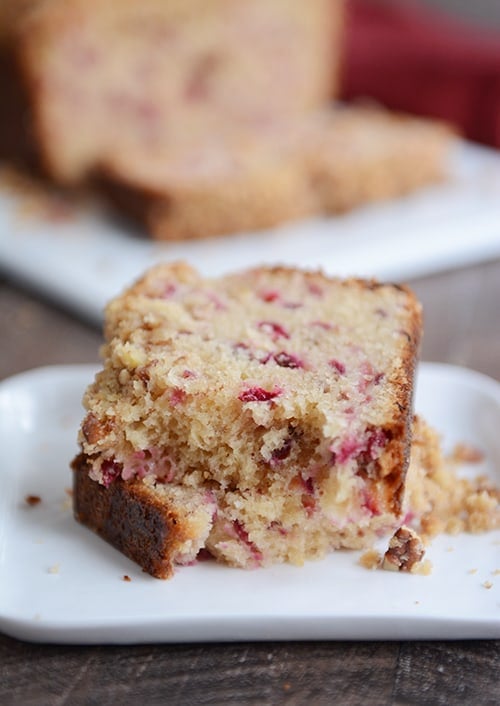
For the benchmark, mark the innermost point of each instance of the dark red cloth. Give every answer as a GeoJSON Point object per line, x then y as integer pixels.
{"type": "Point", "coordinates": [412, 58]}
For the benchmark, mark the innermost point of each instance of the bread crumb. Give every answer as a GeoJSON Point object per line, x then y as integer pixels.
{"type": "Point", "coordinates": [371, 559]}
{"type": "Point", "coordinates": [496, 572]}
{"type": "Point", "coordinates": [66, 504]}
{"type": "Point", "coordinates": [466, 453]}
{"type": "Point", "coordinates": [126, 578]}
{"type": "Point", "coordinates": [422, 568]}
{"type": "Point", "coordinates": [487, 584]}
{"type": "Point", "coordinates": [472, 571]}
{"type": "Point", "coordinates": [32, 500]}
{"type": "Point", "coordinates": [444, 501]}
{"type": "Point", "coordinates": [54, 569]}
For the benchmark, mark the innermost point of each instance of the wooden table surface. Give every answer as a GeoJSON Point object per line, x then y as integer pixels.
{"type": "Point", "coordinates": [462, 317]}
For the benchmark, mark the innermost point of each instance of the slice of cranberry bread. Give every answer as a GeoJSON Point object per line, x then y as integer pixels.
{"type": "Point", "coordinates": [241, 181]}
{"type": "Point", "coordinates": [359, 155]}
{"type": "Point", "coordinates": [327, 162]}
{"type": "Point", "coordinates": [263, 416]}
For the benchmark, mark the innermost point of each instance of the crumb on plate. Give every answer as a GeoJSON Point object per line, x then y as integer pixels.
{"type": "Point", "coordinates": [32, 500]}
{"type": "Point", "coordinates": [466, 453]}
{"type": "Point", "coordinates": [371, 559]}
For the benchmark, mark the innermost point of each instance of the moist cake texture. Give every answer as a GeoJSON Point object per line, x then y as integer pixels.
{"type": "Point", "coordinates": [263, 416]}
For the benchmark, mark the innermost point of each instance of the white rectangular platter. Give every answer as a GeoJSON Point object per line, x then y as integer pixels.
{"type": "Point", "coordinates": [84, 262]}
{"type": "Point", "coordinates": [60, 583]}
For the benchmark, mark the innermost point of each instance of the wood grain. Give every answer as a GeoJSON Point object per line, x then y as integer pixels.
{"type": "Point", "coordinates": [462, 326]}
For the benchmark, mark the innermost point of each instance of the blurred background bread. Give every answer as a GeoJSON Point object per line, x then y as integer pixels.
{"type": "Point", "coordinates": [206, 117]}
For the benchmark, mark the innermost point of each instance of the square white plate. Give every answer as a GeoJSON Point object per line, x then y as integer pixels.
{"type": "Point", "coordinates": [60, 583]}
{"type": "Point", "coordinates": [87, 260]}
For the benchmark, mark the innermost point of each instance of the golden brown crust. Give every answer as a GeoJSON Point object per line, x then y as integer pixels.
{"type": "Point", "coordinates": [276, 195]}
{"type": "Point", "coordinates": [130, 518]}
{"type": "Point", "coordinates": [404, 401]}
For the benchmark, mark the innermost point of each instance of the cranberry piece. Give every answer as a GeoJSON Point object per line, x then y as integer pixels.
{"type": "Point", "coordinates": [198, 85]}
{"type": "Point", "coordinates": [177, 396]}
{"type": "Point", "coordinates": [242, 534]}
{"type": "Point", "coordinates": [216, 301]}
{"type": "Point", "coordinates": [324, 325]}
{"type": "Point", "coordinates": [377, 439]}
{"type": "Point", "coordinates": [287, 360]}
{"type": "Point", "coordinates": [258, 394]}
{"type": "Point", "coordinates": [349, 448]}
{"type": "Point", "coordinates": [370, 503]}
{"type": "Point", "coordinates": [240, 346]}
{"type": "Point", "coordinates": [315, 289]}
{"type": "Point", "coordinates": [148, 111]}
{"type": "Point", "coordinates": [204, 555]}
{"type": "Point", "coordinates": [265, 358]}
{"type": "Point", "coordinates": [240, 531]}
{"type": "Point", "coordinates": [283, 452]}
{"type": "Point", "coordinates": [188, 374]}
{"type": "Point", "coordinates": [269, 295]}
{"type": "Point", "coordinates": [337, 365]}
{"type": "Point", "coordinates": [368, 376]}
{"type": "Point", "coordinates": [110, 471]}
{"type": "Point", "coordinates": [274, 329]}
{"type": "Point", "coordinates": [278, 527]}
{"type": "Point", "coordinates": [169, 291]}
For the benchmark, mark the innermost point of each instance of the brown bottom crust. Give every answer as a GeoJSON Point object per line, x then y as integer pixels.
{"type": "Point", "coordinates": [128, 517]}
